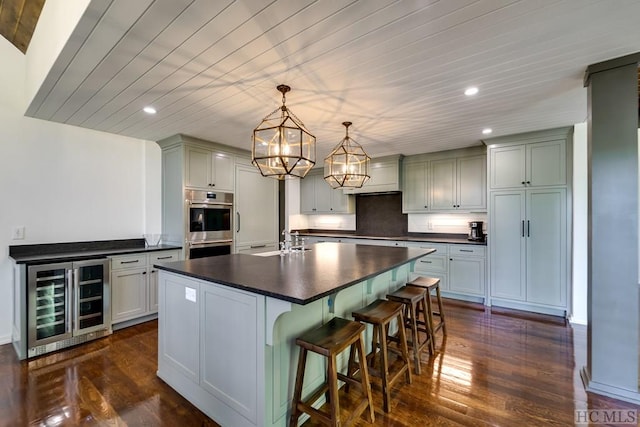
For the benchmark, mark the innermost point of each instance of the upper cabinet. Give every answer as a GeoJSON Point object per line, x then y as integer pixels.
{"type": "Point", "coordinates": [447, 181]}
{"type": "Point", "coordinates": [317, 197]}
{"type": "Point", "coordinates": [209, 170]}
{"type": "Point", "coordinates": [385, 176]}
{"type": "Point", "coordinates": [530, 164]}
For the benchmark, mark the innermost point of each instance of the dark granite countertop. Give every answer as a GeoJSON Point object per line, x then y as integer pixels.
{"type": "Point", "coordinates": [299, 278]}
{"type": "Point", "coordinates": [78, 251]}
{"type": "Point", "coordinates": [411, 237]}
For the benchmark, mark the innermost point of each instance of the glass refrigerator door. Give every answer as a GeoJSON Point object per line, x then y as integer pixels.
{"type": "Point", "coordinates": [49, 304]}
{"type": "Point", "coordinates": [92, 303]}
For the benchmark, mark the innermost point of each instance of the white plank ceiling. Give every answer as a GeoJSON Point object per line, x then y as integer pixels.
{"type": "Point", "coordinates": [396, 69]}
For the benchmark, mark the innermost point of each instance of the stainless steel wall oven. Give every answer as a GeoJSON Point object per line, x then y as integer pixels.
{"type": "Point", "coordinates": [209, 223]}
{"type": "Point", "coordinates": [65, 304]}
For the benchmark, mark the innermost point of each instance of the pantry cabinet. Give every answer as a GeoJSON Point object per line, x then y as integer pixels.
{"type": "Point", "coordinates": [317, 197]}
{"type": "Point", "coordinates": [256, 211]}
{"type": "Point", "coordinates": [529, 221]}
{"type": "Point", "coordinates": [209, 170]}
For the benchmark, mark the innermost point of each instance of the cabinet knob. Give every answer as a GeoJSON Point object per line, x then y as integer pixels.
{"type": "Point", "coordinates": [144, 272]}
{"type": "Point", "coordinates": [523, 183]}
{"type": "Point", "coordinates": [450, 259]}
{"type": "Point", "coordinates": [528, 182]}
{"type": "Point", "coordinates": [425, 206]}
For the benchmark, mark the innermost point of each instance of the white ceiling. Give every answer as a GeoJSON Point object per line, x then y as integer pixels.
{"type": "Point", "coordinates": [396, 69]}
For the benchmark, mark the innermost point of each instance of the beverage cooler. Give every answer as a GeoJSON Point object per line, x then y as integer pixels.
{"type": "Point", "coordinates": [62, 304]}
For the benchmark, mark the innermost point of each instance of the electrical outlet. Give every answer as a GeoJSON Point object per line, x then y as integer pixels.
{"type": "Point", "coordinates": [18, 233]}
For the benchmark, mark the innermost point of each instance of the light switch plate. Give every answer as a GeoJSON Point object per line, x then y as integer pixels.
{"type": "Point", "coordinates": [17, 233]}
{"type": "Point", "coordinates": [190, 294]}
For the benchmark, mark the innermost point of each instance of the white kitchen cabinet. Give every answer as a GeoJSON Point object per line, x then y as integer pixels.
{"type": "Point", "coordinates": [529, 165]}
{"type": "Point", "coordinates": [134, 284]}
{"type": "Point", "coordinates": [528, 246]}
{"type": "Point", "coordinates": [415, 191]}
{"type": "Point", "coordinates": [256, 210]}
{"type": "Point", "coordinates": [385, 176]}
{"type": "Point", "coordinates": [458, 184]}
{"type": "Point", "coordinates": [467, 269]}
{"type": "Point", "coordinates": [317, 197]}
{"type": "Point", "coordinates": [209, 170]}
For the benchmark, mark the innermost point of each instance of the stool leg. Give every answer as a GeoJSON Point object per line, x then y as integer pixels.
{"type": "Point", "coordinates": [374, 345]}
{"type": "Point", "coordinates": [414, 337]}
{"type": "Point", "coordinates": [297, 394]}
{"type": "Point", "coordinates": [431, 328]}
{"type": "Point", "coordinates": [332, 379]}
{"type": "Point", "coordinates": [364, 377]}
{"type": "Point", "coordinates": [405, 350]}
{"type": "Point", "coordinates": [423, 307]}
{"type": "Point", "coordinates": [351, 365]}
{"type": "Point", "coordinates": [384, 369]}
{"type": "Point", "coordinates": [444, 325]}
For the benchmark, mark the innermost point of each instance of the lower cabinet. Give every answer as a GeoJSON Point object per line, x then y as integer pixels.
{"type": "Point", "coordinates": [134, 284]}
{"type": "Point", "coordinates": [256, 249]}
{"type": "Point", "coordinates": [461, 269]}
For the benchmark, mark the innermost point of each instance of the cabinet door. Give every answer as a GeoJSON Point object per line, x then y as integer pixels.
{"type": "Point", "coordinates": [443, 184]}
{"type": "Point", "coordinates": [507, 167]}
{"type": "Point", "coordinates": [323, 194]}
{"type": "Point", "coordinates": [466, 275]}
{"type": "Point", "coordinates": [472, 183]}
{"type": "Point", "coordinates": [153, 290]}
{"type": "Point", "coordinates": [339, 201]}
{"type": "Point", "coordinates": [308, 195]}
{"type": "Point", "coordinates": [222, 173]}
{"type": "Point", "coordinates": [546, 247]}
{"type": "Point", "coordinates": [507, 268]}
{"type": "Point", "coordinates": [256, 207]}
{"type": "Point", "coordinates": [547, 163]}
{"type": "Point", "coordinates": [198, 171]}
{"type": "Point", "coordinates": [128, 294]}
{"type": "Point", "coordinates": [415, 188]}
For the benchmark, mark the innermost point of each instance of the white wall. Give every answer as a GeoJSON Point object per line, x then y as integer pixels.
{"type": "Point", "coordinates": [580, 194]}
{"type": "Point", "coordinates": [65, 183]}
{"type": "Point", "coordinates": [444, 223]}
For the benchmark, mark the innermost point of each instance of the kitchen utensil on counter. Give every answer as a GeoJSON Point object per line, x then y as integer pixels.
{"type": "Point", "coordinates": [475, 231]}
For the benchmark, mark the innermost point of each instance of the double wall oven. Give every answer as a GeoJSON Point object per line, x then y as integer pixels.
{"type": "Point", "coordinates": [209, 228]}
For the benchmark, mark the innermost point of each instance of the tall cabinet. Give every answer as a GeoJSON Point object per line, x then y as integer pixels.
{"type": "Point", "coordinates": [529, 220]}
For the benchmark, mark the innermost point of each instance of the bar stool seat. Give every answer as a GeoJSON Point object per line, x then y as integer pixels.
{"type": "Point", "coordinates": [380, 313]}
{"type": "Point", "coordinates": [431, 283]}
{"type": "Point", "coordinates": [414, 300]}
{"type": "Point", "coordinates": [330, 340]}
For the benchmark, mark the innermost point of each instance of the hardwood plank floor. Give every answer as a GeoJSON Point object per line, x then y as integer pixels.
{"type": "Point", "coordinates": [496, 367]}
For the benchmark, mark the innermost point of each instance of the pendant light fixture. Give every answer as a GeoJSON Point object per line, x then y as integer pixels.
{"type": "Point", "coordinates": [282, 145]}
{"type": "Point", "coordinates": [348, 164]}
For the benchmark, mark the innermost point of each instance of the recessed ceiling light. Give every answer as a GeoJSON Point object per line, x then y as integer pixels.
{"type": "Point", "coordinates": [487, 131]}
{"type": "Point", "coordinates": [471, 91]}
{"type": "Point", "coordinates": [149, 110]}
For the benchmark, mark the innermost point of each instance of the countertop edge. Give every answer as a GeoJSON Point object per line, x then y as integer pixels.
{"type": "Point", "coordinates": [287, 298]}
{"type": "Point", "coordinates": [81, 256]}
{"type": "Point", "coordinates": [428, 239]}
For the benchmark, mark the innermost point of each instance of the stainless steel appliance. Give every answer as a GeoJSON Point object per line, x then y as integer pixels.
{"type": "Point", "coordinates": [65, 304]}
{"type": "Point", "coordinates": [209, 227]}
{"type": "Point", "coordinates": [475, 231]}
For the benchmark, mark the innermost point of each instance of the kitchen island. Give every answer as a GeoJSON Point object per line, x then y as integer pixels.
{"type": "Point", "coordinates": [227, 324]}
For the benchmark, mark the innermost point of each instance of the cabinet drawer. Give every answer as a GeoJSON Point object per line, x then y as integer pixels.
{"type": "Point", "coordinates": [467, 250]}
{"type": "Point", "coordinates": [432, 263]}
{"type": "Point", "coordinates": [441, 249]}
{"type": "Point", "coordinates": [165, 256]}
{"type": "Point", "coordinates": [138, 260]}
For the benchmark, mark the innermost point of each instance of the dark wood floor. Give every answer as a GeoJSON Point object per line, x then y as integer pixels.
{"type": "Point", "coordinates": [496, 367]}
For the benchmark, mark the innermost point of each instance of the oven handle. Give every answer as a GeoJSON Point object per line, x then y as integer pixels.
{"type": "Point", "coordinates": [200, 204]}
{"type": "Point", "coordinates": [210, 242]}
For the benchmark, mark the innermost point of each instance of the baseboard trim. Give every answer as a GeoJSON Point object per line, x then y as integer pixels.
{"type": "Point", "coordinates": [623, 394]}
{"type": "Point", "coordinates": [5, 339]}
{"type": "Point", "coordinates": [528, 307]}
{"type": "Point", "coordinates": [132, 322]}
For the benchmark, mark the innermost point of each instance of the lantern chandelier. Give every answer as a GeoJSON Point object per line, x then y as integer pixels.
{"type": "Point", "coordinates": [348, 164]}
{"type": "Point", "coordinates": [282, 145]}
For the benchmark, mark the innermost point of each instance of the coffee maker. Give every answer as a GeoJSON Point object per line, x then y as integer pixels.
{"type": "Point", "coordinates": [475, 231]}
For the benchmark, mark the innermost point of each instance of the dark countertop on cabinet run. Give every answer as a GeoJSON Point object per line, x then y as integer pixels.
{"type": "Point", "coordinates": [300, 278]}
{"type": "Point", "coordinates": [78, 251]}
{"type": "Point", "coordinates": [412, 237]}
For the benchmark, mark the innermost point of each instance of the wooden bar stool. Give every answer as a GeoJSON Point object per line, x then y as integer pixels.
{"type": "Point", "coordinates": [414, 300]}
{"type": "Point", "coordinates": [329, 340]}
{"type": "Point", "coordinates": [431, 283]}
{"type": "Point", "coordinates": [380, 313]}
